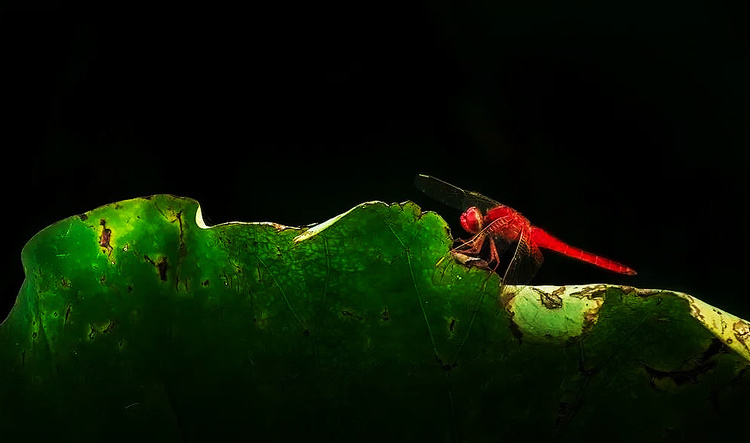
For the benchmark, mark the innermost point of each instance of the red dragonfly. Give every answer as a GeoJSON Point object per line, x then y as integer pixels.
{"type": "Point", "coordinates": [485, 219]}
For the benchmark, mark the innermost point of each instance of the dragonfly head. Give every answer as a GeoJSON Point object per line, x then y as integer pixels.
{"type": "Point", "coordinates": [471, 220]}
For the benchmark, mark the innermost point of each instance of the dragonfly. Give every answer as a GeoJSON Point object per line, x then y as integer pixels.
{"type": "Point", "coordinates": [499, 226]}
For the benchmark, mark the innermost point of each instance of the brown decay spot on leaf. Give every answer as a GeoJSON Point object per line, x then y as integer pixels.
{"type": "Point", "coordinates": [105, 237]}
{"type": "Point", "coordinates": [552, 300]}
{"type": "Point", "coordinates": [641, 292]}
{"type": "Point", "coordinates": [161, 265]}
{"type": "Point", "coordinates": [590, 316]}
{"type": "Point", "coordinates": [690, 370]}
{"type": "Point", "coordinates": [110, 326]}
{"type": "Point", "coordinates": [347, 313]}
{"type": "Point", "coordinates": [385, 315]}
{"type": "Point", "coordinates": [590, 292]}
{"type": "Point", "coordinates": [279, 227]}
{"type": "Point", "coordinates": [741, 331]}
{"type": "Point", "coordinates": [695, 311]}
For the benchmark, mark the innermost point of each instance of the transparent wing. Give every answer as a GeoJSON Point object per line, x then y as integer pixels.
{"type": "Point", "coordinates": [451, 195]}
{"type": "Point", "coordinates": [523, 265]}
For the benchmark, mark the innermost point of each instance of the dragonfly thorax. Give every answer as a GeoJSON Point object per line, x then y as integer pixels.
{"type": "Point", "coordinates": [471, 220]}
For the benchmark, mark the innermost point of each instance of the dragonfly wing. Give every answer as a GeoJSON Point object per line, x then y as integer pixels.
{"type": "Point", "coordinates": [451, 195]}
{"type": "Point", "coordinates": [523, 265]}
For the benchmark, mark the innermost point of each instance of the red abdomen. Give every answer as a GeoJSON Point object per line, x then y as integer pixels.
{"type": "Point", "coordinates": [545, 240]}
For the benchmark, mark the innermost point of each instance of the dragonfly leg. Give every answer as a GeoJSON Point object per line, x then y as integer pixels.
{"type": "Point", "coordinates": [472, 246]}
{"type": "Point", "coordinates": [494, 256]}
{"type": "Point", "coordinates": [465, 245]}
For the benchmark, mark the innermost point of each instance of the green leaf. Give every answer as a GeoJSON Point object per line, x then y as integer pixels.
{"type": "Point", "coordinates": [136, 321]}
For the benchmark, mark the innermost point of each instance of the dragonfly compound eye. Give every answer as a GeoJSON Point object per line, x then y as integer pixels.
{"type": "Point", "coordinates": [471, 220]}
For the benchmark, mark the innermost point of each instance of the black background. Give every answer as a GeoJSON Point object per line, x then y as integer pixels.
{"type": "Point", "coordinates": [622, 129]}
